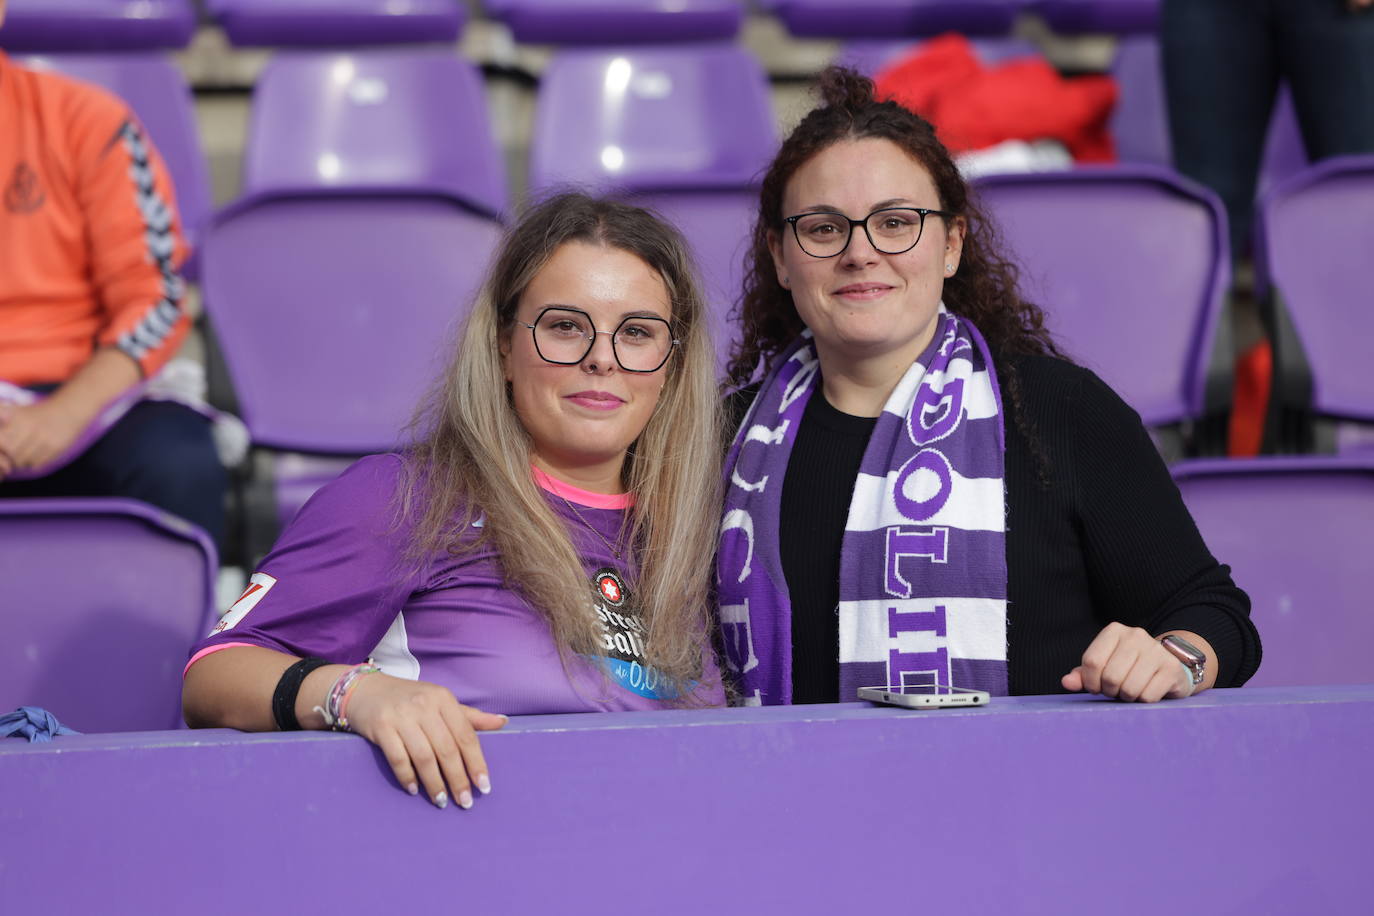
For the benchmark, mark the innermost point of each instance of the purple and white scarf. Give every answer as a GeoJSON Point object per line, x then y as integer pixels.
{"type": "Point", "coordinates": [923, 569]}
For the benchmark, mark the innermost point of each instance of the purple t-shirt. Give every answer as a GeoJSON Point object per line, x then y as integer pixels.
{"type": "Point", "coordinates": [337, 586]}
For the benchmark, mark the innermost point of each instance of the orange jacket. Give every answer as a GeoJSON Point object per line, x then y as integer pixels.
{"type": "Point", "coordinates": [89, 237]}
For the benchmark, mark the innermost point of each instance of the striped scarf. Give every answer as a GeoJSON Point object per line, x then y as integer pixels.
{"type": "Point", "coordinates": [923, 572]}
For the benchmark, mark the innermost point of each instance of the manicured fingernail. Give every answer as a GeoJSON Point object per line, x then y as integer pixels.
{"type": "Point", "coordinates": [441, 800]}
{"type": "Point", "coordinates": [413, 789]}
{"type": "Point", "coordinates": [465, 799]}
{"type": "Point", "coordinates": [484, 784]}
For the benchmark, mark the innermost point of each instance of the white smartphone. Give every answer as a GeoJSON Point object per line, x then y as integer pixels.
{"type": "Point", "coordinates": [921, 696]}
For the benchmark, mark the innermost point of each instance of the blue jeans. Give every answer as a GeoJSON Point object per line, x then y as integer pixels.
{"type": "Point", "coordinates": [1223, 60]}
{"type": "Point", "coordinates": [159, 452]}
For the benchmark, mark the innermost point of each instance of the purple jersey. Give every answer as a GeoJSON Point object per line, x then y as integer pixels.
{"type": "Point", "coordinates": [337, 586]}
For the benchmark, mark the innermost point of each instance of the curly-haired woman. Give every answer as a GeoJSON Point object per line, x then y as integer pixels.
{"type": "Point", "coordinates": [923, 487]}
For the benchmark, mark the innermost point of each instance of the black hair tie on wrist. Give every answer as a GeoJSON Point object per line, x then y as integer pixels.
{"type": "Point", "coordinates": [284, 697]}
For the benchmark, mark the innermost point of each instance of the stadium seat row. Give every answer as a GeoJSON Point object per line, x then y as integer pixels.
{"type": "Point", "coordinates": [69, 25]}
{"type": "Point", "coordinates": [404, 138]}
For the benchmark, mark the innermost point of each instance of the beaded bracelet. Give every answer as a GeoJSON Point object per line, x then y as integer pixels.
{"type": "Point", "coordinates": [337, 701]}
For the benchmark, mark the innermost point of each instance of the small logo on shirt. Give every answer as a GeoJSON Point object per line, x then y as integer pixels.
{"type": "Point", "coordinates": [23, 194]}
{"type": "Point", "coordinates": [258, 586]}
{"type": "Point", "coordinates": [610, 586]}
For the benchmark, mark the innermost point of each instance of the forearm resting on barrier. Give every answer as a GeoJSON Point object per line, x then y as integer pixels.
{"type": "Point", "coordinates": [428, 738]}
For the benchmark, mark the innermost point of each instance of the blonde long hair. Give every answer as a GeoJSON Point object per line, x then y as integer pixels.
{"type": "Point", "coordinates": [471, 455]}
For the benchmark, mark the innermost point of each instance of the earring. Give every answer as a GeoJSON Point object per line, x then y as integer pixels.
{"type": "Point", "coordinates": [949, 268]}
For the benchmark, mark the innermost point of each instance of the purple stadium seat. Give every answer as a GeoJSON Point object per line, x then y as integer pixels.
{"type": "Point", "coordinates": [687, 131]}
{"type": "Point", "coordinates": [671, 119]}
{"type": "Point", "coordinates": [607, 22]}
{"type": "Point", "coordinates": [870, 57]}
{"type": "Point", "coordinates": [157, 92]}
{"type": "Point", "coordinates": [339, 22]}
{"type": "Point", "coordinates": [103, 600]}
{"type": "Point", "coordinates": [333, 312]}
{"type": "Point", "coordinates": [1140, 123]}
{"type": "Point", "coordinates": [1130, 265]}
{"type": "Point", "coordinates": [1120, 17]}
{"type": "Point", "coordinates": [1285, 154]}
{"type": "Point", "coordinates": [1297, 533]}
{"type": "Point", "coordinates": [887, 19]}
{"type": "Point", "coordinates": [97, 25]}
{"type": "Point", "coordinates": [1314, 235]}
{"type": "Point", "coordinates": [373, 190]}
{"type": "Point", "coordinates": [377, 121]}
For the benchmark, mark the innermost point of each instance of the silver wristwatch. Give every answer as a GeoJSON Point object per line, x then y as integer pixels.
{"type": "Point", "coordinates": [1190, 655]}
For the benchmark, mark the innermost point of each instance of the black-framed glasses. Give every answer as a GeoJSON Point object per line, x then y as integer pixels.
{"type": "Point", "coordinates": [891, 230]}
{"type": "Point", "coordinates": [565, 336]}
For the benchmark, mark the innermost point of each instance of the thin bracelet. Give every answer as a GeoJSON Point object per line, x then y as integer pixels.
{"type": "Point", "coordinates": [337, 701]}
{"type": "Point", "coordinates": [288, 688]}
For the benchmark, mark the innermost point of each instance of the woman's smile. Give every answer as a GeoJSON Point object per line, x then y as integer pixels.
{"type": "Point", "coordinates": [595, 400]}
{"type": "Point", "coordinates": [863, 292]}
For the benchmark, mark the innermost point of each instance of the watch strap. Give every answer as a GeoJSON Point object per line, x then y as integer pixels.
{"type": "Point", "coordinates": [1188, 655]}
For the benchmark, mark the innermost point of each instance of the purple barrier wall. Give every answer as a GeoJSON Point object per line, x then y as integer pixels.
{"type": "Point", "coordinates": [1240, 801]}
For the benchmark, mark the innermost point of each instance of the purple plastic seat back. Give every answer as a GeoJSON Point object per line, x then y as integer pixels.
{"type": "Point", "coordinates": [1118, 17]}
{"type": "Point", "coordinates": [719, 254]}
{"type": "Point", "coordinates": [157, 92]}
{"type": "Point", "coordinates": [97, 25]}
{"type": "Point", "coordinates": [372, 193]}
{"type": "Point", "coordinates": [1285, 153]}
{"type": "Point", "coordinates": [870, 57]}
{"type": "Point", "coordinates": [1140, 122]}
{"type": "Point", "coordinates": [610, 22]}
{"type": "Point", "coordinates": [672, 119]}
{"type": "Point", "coordinates": [687, 131]}
{"type": "Point", "coordinates": [888, 18]}
{"type": "Point", "coordinates": [334, 311]}
{"type": "Point", "coordinates": [1297, 533]}
{"type": "Point", "coordinates": [339, 22]}
{"type": "Point", "coordinates": [1315, 233]}
{"type": "Point", "coordinates": [411, 121]}
{"type": "Point", "coordinates": [103, 601]}
{"type": "Point", "coordinates": [1130, 265]}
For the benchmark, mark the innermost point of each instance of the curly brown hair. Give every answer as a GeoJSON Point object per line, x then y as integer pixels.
{"type": "Point", "coordinates": [985, 288]}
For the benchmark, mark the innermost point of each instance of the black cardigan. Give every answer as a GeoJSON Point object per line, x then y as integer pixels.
{"type": "Point", "coordinates": [1096, 532]}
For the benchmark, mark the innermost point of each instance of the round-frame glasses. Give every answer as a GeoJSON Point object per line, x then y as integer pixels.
{"type": "Point", "coordinates": [826, 234]}
{"type": "Point", "coordinates": [564, 336]}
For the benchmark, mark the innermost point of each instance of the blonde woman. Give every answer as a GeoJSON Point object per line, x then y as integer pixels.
{"type": "Point", "coordinates": [543, 547]}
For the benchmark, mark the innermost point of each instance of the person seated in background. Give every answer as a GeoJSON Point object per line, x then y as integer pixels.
{"type": "Point", "coordinates": [91, 303]}
{"type": "Point", "coordinates": [922, 485]}
{"type": "Point", "coordinates": [542, 547]}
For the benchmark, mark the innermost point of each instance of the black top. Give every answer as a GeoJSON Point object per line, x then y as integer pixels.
{"type": "Point", "coordinates": [1103, 536]}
